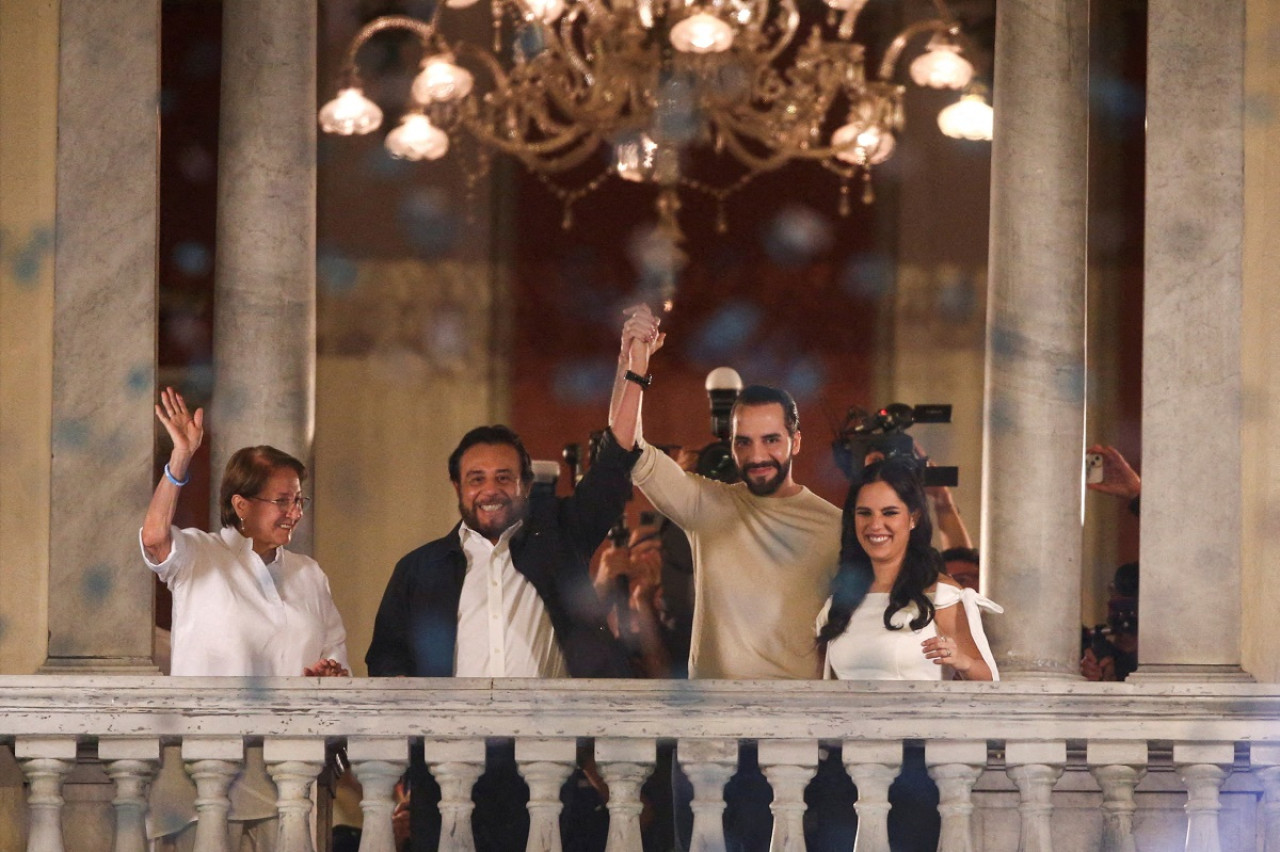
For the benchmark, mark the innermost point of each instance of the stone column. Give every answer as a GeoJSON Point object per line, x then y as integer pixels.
{"type": "Point", "coordinates": [709, 764]}
{"type": "Point", "coordinates": [872, 764]}
{"type": "Point", "coordinates": [293, 765]}
{"type": "Point", "coordinates": [1118, 767]}
{"type": "Point", "coordinates": [624, 764]}
{"type": "Point", "coordinates": [455, 764]}
{"type": "Point", "coordinates": [1192, 511]}
{"type": "Point", "coordinates": [545, 764]}
{"type": "Point", "coordinates": [789, 765]}
{"type": "Point", "coordinates": [378, 762]}
{"type": "Point", "coordinates": [264, 287]}
{"type": "Point", "coordinates": [1035, 368]}
{"type": "Point", "coordinates": [1264, 759]}
{"type": "Point", "coordinates": [1203, 767]}
{"type": "Point", "coordinates": [955, 766]}
{"type": "Point", "coordinates": [1035, 767]}
{"type": "Point", "coordinates": [104, 335]}
{"type": "Point", "coordinates": [46, 761]}
{"type": "Point", "coordinates": [131, 764]}
{"type": "Point", "coordinates": [213, 763]}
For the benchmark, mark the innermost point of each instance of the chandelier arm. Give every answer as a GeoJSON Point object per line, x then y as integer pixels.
{"type": "Point", "coordinates": [732, 129]}
{"type": "Point", "coordinates": [791, 16]}
{"type": "Point", "coordinates": [576, 60]}
{"type": "Point", "coordinates": [424, 30]}
{"type": "Point", "coordinates": [485, 58]}
{"type": "Point", "coordinates": [582, 144]}
{"type": "Point", "coordinates": [849, 19]}
{"type": "Point", "coordinates": [894, 52]}
{"type": "Point", "coordinates": [748, 159]}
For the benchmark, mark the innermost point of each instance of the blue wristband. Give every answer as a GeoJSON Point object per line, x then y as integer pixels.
{"type": "Point", "coordinates": [178, 482]}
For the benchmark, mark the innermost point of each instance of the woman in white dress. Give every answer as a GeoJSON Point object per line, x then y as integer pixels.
{"type": "Point", "coordinates": [894, 614]}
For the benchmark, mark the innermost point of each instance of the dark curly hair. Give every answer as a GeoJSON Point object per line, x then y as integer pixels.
{"type": "Point", "coordinates": [921, 564]}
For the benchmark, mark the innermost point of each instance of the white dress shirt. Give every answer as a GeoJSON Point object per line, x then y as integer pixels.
{"type": "Point", "coordinates": [504, 629]}
{"type": "Point", "coordinates": [234, 615]}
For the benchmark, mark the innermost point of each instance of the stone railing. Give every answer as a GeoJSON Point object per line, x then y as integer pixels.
{"type": "Point", "coordinates": [1026, 765]}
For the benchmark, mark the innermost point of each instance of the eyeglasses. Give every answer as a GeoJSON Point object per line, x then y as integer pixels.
{"type": "Point", "coordinates": [284, 504]}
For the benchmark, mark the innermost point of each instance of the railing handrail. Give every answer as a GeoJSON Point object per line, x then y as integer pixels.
{"type": "Point", "coordinates": [133, 706]}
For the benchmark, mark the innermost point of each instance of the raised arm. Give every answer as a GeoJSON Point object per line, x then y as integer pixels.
{"type": "Point", "coordinates": [946, 514]}
{"type": "Point", "coordinates": [186, 431]}
{"type": "Point", "coordinates": [640, 339]}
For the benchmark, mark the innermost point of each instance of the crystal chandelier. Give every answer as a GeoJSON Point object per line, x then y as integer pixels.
{"type": "Point", "coordinates": [654, 91]}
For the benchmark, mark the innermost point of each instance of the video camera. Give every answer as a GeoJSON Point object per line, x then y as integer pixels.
{"type": "Point", "coordinates": [884, 431]}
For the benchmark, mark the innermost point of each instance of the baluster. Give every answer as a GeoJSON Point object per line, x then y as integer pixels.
{"type": "Point", "coordinates": [625, 764]}
{"type": "Point", "coordinates": [872, 764]}
{"type": "Point", "coordinates": [545, 764]}
{"type": "Point", "coordinates": [131, 763]}
{"type": "Point", "coordinates": [378, 763]}
{"type": "Point", "coordinates": [789, 765]}
{"type": "Point", "coordinates": [46, 762]}
{"type": "Point", "coordinates": [955, 766]}
{"type": "Point", "coordinates": [456, 764]}
{"type": "Point", "coordinates": [709, 764]}
{"type": "Point", "coordinates": [1265, 759]}
{"type": "Point", "coordinates": [213, 763]}
{"type": "Point", "coordinates": [1118, 767]}
{"type": "Point", "coordinates": [1035, 767]}
{"type": "Point", "coordinates": [293, 765]}
{"type": "Point", "coordinates": [1203, 767]}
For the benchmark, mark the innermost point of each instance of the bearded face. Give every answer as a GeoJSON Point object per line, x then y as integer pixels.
{"type": "Point", "coordinates": [491, 495]}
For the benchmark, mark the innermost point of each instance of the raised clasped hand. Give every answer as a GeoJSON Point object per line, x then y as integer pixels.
{"type": "Point", "coordinates": [640, 337]}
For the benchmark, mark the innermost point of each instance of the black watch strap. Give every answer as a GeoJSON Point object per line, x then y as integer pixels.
{"type": "Point", "coordinates": [642, 381]}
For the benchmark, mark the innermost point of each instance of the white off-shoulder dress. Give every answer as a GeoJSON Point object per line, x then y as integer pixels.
{"type": "Point", "coordinates": [868, 651]}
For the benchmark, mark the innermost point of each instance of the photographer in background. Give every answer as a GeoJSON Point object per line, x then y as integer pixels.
{"type": "Point", "coordinates": [629, 581]}
{"type": "Point", "coordinates": [1111, 649]}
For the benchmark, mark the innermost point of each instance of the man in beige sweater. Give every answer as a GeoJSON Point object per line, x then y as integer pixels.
{"type": "Point", "coordinates": [764, 549]}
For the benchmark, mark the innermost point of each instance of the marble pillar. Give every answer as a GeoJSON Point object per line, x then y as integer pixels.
{"type": "Point", "coordinates": [264, 287]}
{"type": "Point", "coordinates": [1261, 477]}
{"type": "Point", "coordinates": [28, 148]}
{"type": "Point", "coordinates": [1192, 388]}
{"type": "Point", "coordinates": [1035, 368]}
{"type": "Point", "coordinates": [104, 335]}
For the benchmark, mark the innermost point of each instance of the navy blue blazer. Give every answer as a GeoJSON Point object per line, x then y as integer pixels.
{"type": "Point", "coordinates": [416, 630]}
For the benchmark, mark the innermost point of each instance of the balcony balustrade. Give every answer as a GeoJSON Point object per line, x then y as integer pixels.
{"type": "Point", "coordinates": [1026, 765]}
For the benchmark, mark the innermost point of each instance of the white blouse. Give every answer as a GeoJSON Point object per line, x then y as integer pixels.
{"type": "Point", "coordinates": [868, 651]}
{"type": "Point", "coordinates": [234, 615]}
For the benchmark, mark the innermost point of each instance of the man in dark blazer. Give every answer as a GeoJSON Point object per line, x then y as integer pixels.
{"type": "Point", "coordinates": [548, 541]}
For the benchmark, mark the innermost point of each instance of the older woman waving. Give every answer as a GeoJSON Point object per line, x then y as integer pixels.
{"type": "Point", "coordinates": [242, 603]}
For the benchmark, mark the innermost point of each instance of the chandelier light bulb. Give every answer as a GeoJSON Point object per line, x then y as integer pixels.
{"type": "Point", "coordinates": [417, 139]}
{"type": "Point", "coordinates": [701, 33]}
{"type": "Point", "coordinates": [350, 114]}
{"type": "Point", "coordinates": [969, 118]}
{"type": "Point", "coordinates": [941, 67]}
{"type": "Point", "coordinates": [633, 158]}
{"type": "Point", "coordinates": [441, 80]}
{"type": "Point", "coordinates": [459, 4]}
{"type": "Point", "coordinates": [547, 10]}
{"type": "Point", "coordinates": [861, 145]}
